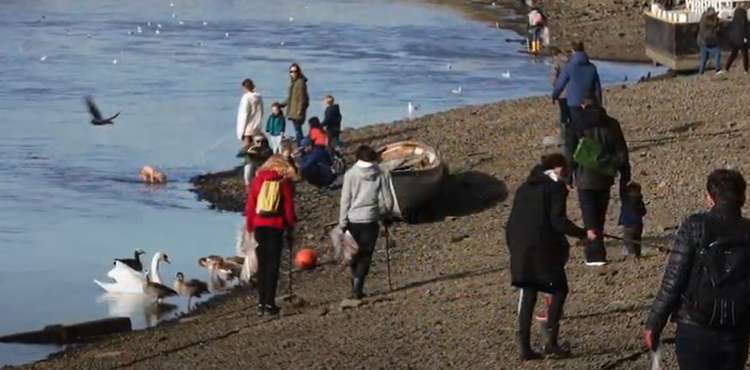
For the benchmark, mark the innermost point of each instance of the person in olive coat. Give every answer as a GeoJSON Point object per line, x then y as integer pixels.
{"type": "Point", "coordinates": [738, 37]}
{"type": "Point", "coordinates": [539, 250]}
{"type": "Point", "coordinates": [297, 101]}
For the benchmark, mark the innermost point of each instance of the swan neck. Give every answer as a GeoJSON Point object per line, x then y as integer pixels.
{"type": "Point", "coordinates": [154, 272]}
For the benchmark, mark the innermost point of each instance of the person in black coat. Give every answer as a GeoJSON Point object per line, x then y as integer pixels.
{"type": "Point", "coordinates": [535, 236]}
{"type": "Point", "coordinates": [738, 37]}
{"type": "Point", "coordinates": [332, 121]}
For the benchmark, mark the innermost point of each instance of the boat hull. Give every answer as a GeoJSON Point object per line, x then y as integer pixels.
{"type": "Point", "coordinates": [415, 189]}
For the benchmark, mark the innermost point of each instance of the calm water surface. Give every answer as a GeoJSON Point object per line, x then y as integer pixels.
{"type": "Point", "coordinates": [68, 199]}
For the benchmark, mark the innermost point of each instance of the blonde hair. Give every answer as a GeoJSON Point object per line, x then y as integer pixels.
{"type": "Point", "coordinates": [282, 166]}
{"type": "Point", "coordinates": [328, 99]}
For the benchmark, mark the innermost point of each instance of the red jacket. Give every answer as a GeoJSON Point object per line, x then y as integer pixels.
{"type": "Point", "coordinates": [287, 219]}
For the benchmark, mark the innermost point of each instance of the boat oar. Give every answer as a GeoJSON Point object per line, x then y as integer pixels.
{"type": "Point", "coordinates": [610, 236]}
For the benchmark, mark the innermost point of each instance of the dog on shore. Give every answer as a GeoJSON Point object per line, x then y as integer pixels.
{"type": "Point", "coordinates": [151, 175]}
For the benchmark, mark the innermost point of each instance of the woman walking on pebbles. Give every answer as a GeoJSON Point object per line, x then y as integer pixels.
{"type": "Point", "coordinates": [297, 100]}
{"type": "Point", "coordinates": [535, 235]}
{"type": "Point", "coordinates": [269, 212]}
{"type": "Point", "coordinates": [365, 200]}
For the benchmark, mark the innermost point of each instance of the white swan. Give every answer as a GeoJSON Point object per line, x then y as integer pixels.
{"type": "Point", "coordinates": [128, 280]}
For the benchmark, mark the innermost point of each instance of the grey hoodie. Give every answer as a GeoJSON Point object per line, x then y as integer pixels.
{"type": "Point", "coordinates": [366, 195]}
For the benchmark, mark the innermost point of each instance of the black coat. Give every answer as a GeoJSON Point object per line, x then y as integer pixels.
{"type": "Point", "coordinates": [597, 125]}
{"type": "Point", "coordinates": [737, 31]}
{"type": "Point", "coordinates": [536, 231]}
{"type": "Point", "coordinates": [693, 234]}
{"type": "Point", "coordinates": [332, 118]}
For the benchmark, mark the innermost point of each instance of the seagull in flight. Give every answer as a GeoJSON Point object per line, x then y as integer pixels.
{"type": "Point", "coordinates": [96, 115]}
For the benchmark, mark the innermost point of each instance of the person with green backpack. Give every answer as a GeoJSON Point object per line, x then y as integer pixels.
{"type": "Point", "coordinates": [597, 151]}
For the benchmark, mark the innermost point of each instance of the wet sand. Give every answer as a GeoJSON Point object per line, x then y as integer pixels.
{"type": "Point", "coordinates": [452, 306]}
{"type": "Point", "coordinates": [611, 29]}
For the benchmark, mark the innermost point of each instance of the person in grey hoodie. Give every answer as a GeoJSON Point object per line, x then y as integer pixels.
{"type": "Point", "coordinates": [365, 200]}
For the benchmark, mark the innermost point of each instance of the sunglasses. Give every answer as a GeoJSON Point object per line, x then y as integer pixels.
{"type": "Point", "coordinates": [294, 71]}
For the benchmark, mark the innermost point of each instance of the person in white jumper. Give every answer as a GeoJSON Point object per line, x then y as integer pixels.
{"type": "Point", "coordinates": [249, 113]}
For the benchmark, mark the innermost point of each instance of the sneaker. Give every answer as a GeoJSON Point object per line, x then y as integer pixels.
{"type": "Point", "coordinates": [719, 72]}
{"type": "Point", "coordinates": [259, 310]}
{"type": "Point", "coordinates": [595, 263]}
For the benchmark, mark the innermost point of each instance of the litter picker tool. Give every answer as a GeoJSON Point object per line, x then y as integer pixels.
{"type": "Point", "coordinates": [388, 256]}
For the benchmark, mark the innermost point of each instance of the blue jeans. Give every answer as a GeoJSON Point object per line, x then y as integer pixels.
{"type": "Point", "coordinates": [706, 52]}
{"type": "Point", "coordinates": [298, 134]}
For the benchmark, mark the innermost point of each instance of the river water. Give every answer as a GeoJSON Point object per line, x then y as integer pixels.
{"type": "Point", "coordinates": [69, 201]}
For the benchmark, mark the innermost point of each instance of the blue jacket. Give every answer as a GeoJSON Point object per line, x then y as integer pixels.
{"type": "Point", "coordinates": [580, 80]}
{"type": "Point", "coordinates": [632, 211]}
{"type": "Point", "coordinates": [315, 167]}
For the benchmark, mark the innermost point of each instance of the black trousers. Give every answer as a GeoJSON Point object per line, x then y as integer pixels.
{"type": "Point", "coordinates": [632, 242]}
{"type": "Point", "coordinates": [733, 55]}
{"type": "Point", "coordinates": [702, 349]}
{"type": "Point", "coordinates": [366, 236]}
{"type": "Point", "coordinates": [526, 303]}
{"type": "Point", "coordinates": [594, 205]}
{"type": "Point", "coordinates": [270, 243]}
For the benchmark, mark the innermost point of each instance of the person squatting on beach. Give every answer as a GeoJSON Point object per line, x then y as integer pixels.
{"type": "Point", "coordinates": [332, 121]}
{"type": "Point", "coordinates": [316, 164]}
{"type": "Point", "coordinates": [255, 155]}
{"type": "Point", "coordinates": [249, 113]}
{"type": "Point", "coordinates": [579, 79]}
{"type": "Point", "coordinates": [316, 133]}
{"type": "Point", "coordinates": [597, 152]}
{"type": "Point", "coordinates": [269, 212]}
{"type": "Point", "coordinates": [275, 127]}
{"type": "Point", "coordinates": [709, 40]}
{"type": "Point", "coordinates": [297, 100]}
{"type": "Point", "coordinates": [738, 33]}
{"type": "Point", "coordinates": [632, 211]}
{"type": "Point", "coordinates": [559, 59]}
{"type": "Point", "coordinates": [706, 282]}
{"type": "Point", "coordinates": [365, 199]}
{"type": "Point", "coordinates": [539, 250]}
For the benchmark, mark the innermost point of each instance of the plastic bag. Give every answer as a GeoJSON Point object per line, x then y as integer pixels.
{"type": "Point", "coordinates": [246, 243]}
{"type": "Point", "coordinates": [656, 359]}
{"type": "Point", "coordinates": [344, 245]}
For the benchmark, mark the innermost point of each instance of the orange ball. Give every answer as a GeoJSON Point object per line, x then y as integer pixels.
{"type": "Point", "coordinates": [306, 259]}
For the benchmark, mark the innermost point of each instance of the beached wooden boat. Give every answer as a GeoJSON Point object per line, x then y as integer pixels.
{"type": "Point", "coordinates": [416, 172]}
{"type": "Point", "coordinates": [671, 34]}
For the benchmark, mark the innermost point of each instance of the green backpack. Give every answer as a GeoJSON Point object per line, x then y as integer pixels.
{"type": "Point", "coordinates": [589, 155]}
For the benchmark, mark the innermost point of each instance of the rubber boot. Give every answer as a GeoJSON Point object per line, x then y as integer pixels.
{"type": "Point", "coordinates": [552, 348]}
{"type": "Point", "coordinates": [358, 286]}
{"type": "Point", "coordinates": [524, 346]}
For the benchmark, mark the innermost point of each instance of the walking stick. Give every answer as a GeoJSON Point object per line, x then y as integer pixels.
{"type": "Point", "coordinates": [388, 256]}
{"type": "Point", "coordinates": [291, 265]}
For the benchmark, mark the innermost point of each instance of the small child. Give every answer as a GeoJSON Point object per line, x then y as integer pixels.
{"type": "Point", "coordinates": [332, 120]}
{"type": "Point", "coordinates": [275, 127]}
{"type": "Point", "coordinates": [631, 218]}
{"type": "Point", "coordinates": [316, 134]}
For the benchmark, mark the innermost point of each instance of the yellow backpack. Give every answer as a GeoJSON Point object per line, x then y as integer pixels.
{"type": "Point", "coordinates": [269, 199]}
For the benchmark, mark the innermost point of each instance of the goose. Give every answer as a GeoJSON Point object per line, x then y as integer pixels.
{"type": "Point", "coordinates": [191, 288]}
{"type": "Point", "coordinates": [228, 268]}
{"type": "Point", "coordinates": [157, 291]}
{"type": "Point", "coordinates": [128, 280]}
{"type": "Point", "coordinates": [135, 262]}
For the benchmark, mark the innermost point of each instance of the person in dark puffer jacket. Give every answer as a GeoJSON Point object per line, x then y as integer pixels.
{"type": "Point", "coordinates": [535, 236]}
{"type": "Point", "coordinates": [738, 37]}
{"type": "Point", "coordinates": [699, 346]}
{"type": "Point", "coordinates": [594, 187]}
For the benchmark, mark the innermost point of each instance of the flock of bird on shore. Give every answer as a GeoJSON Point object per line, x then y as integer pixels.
{"type": "Point", "coordinates": [129, 277]}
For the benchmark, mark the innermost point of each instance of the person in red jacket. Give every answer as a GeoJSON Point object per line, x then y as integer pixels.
{"type": "Point", "coordinates": [269, 230]}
